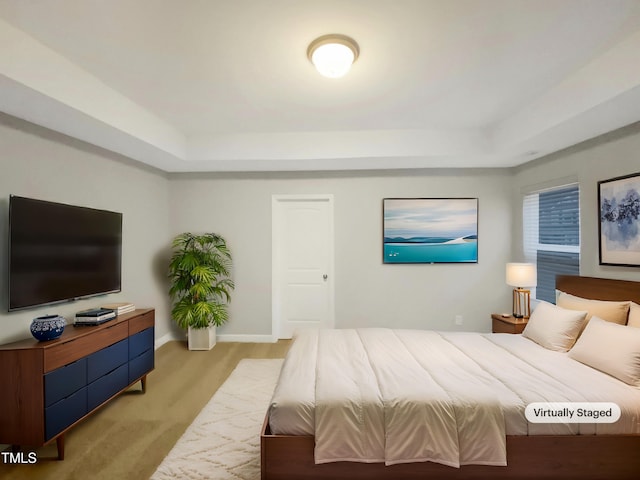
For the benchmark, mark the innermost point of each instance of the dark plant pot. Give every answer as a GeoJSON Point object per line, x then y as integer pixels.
{"type": "Point", "coordinates": [48, 327]}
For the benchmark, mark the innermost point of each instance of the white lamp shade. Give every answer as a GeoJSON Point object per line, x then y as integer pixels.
{"type": "Point", "coordinates": [522, 275]}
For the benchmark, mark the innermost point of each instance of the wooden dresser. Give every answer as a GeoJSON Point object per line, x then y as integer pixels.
{"type": "Point", "coordinates": [47, 387]}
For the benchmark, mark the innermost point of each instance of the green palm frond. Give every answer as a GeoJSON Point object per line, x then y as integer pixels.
{"type": "Point", "coordinates": [203, 274]}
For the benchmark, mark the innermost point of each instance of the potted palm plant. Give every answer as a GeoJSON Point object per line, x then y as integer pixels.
{"type": "Point", "coordinates": [200, 286]}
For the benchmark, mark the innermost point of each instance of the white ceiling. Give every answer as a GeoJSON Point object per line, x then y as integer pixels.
{"type": "Point", "coordinates": [219, 85]}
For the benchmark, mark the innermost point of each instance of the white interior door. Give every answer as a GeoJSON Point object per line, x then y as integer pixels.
{"type": "Point", "coordinates": [302, 263]}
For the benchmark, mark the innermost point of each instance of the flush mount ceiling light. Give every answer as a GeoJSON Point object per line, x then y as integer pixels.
{"type": "Point", "coordinates": [333, 54]}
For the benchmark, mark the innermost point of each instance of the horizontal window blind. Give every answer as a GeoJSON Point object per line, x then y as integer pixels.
{"type": "Point", "coordinates": [559, 217]}
{"type": "Point", "coordinates": [549, 264]}
{"type": "Point", "coordinates": [551, 234]}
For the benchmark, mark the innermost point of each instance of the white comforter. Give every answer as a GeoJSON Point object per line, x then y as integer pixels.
{"type": "Point", "coordinates": [397, 396]}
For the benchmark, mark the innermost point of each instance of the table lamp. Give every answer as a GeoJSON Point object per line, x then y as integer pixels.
{"type": "Point", "coordinates": [520, 276]}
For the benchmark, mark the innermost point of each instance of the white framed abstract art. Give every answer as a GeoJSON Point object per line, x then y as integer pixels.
{"type": "Point", "coordinates": [619, 225]}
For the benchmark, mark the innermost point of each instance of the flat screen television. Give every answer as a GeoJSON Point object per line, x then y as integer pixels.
{"type": "Point", "coordinates": [60, 252]}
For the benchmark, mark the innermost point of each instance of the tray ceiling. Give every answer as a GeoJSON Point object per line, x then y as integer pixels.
{"type": "Point", "coordinates": [190, 85]}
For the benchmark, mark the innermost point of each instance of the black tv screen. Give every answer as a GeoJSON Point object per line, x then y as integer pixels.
{"type": "Point", "coordinates": [61, 252]}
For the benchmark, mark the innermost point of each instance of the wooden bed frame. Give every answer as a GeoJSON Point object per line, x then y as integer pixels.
{"type": "Point", "coordinates": [289, 457]}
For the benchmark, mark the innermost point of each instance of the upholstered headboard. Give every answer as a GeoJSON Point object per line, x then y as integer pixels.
{"type": "Point", "coordinates": [599, 288]}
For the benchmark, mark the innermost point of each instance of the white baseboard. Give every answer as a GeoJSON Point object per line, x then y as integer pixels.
{"type": "Point", "coordinates": [168, 337]}
{"type": "Point", "coordinates": [243, 338]}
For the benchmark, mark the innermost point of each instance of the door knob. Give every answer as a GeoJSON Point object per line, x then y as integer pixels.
{"type": "Point", "coordinates": [325, 276]}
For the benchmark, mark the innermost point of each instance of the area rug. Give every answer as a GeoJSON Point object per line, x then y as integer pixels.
{"type": "Point", "coordinates": [223, 442]}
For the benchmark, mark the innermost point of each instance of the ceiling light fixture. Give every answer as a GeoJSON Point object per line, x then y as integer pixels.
{"type": "Point", "coordinates": [333, 54]}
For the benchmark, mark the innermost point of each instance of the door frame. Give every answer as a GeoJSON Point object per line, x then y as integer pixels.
{"type": "Point", "coordinates": [276, 308]}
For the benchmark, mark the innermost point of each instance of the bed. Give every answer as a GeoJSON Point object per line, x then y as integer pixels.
{"type": "Point", "coordinates": [291, 448]}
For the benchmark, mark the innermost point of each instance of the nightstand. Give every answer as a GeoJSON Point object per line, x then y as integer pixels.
{"type": "Point", "coordinates": [508, 324]}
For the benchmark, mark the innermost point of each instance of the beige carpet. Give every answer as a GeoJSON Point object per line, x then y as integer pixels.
{"type": "Point", "coordinates": [223, 442]}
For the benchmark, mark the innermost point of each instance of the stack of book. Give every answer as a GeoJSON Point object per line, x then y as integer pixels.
{"type": "Point", "coordinates": [120, 308]}
{"type": "Point", "coordinates": [94, 316]}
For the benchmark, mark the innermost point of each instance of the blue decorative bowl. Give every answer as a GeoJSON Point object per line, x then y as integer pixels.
{"type": "Point", "coordinates": [48, 327]}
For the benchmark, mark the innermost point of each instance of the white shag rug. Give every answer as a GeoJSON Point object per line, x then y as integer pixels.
{"type": "Point", "coordinates": [223, 442]}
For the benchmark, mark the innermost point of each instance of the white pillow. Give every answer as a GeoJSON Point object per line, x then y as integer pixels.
{"type": "Point", "coordinates": [634, 315]}
{"type": "Point", "coordinates": [615, 312]}
{"type": "Point", "coordinates": [553, 327]}
{"type": "Point", "coordinates": [611, 348]}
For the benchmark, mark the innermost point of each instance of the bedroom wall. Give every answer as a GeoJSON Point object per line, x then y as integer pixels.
{"type": "Point", "coordinates": [368, 293]}
{"type": "Point", "coordinates": [38, 163]}
{"type": "Point", "coordinates": [608, 156]}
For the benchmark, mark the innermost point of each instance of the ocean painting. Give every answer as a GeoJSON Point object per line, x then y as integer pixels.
{"type": "Point", "coordinates": [619, 200]}
{"type": "Point", "coordinates": [430, 230]}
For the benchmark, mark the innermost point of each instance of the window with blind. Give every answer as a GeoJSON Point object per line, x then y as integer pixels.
{"type": "Point", "coordinates": [551, 221]}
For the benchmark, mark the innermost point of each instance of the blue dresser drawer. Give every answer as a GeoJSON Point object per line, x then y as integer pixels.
{"type": "Point", "coordinates": [63, 413]}
{"type": "Point", "coordinates": [63, 381]}
{"type": "Point", "coordinates": [107, 386]}
{"type": "Point", "coordinates": [141, 365]}
{"type": "Point", "coordinates": [140, 342]}
{"type": "Point", "coordinates": [107, 359]}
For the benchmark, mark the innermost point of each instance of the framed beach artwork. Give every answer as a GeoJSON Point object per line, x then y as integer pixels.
{"type": "Point", "coordinates": [430, 230]}
{"type": "Point", "coordinates": [619, 226]}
